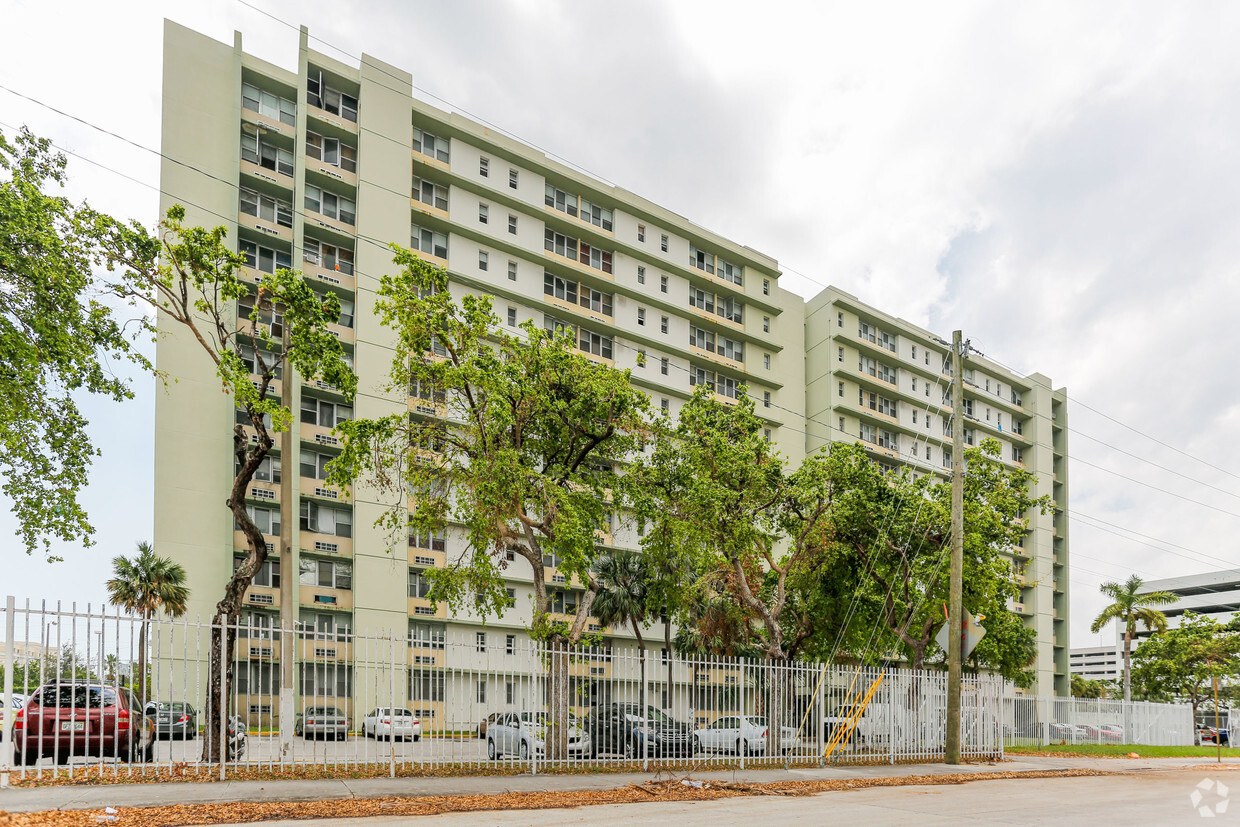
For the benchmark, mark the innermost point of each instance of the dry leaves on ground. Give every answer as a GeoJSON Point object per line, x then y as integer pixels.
{"type": "Point", "coordinates": [670, 789]}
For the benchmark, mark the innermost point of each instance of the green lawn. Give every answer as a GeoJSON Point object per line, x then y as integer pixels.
{"type": "Point", "coordinates": [1120, 750]}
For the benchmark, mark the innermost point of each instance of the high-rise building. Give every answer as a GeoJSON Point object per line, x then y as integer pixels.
{"type": "Point", "coordinates": [872, 377]}
{"type": "Point", "coordinates": [319, 168]}
{"type": "Point", "coordinates": [1215, 594]}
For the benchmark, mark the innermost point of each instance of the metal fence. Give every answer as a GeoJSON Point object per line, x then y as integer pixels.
{"type": "Point", "coordinates": [1045, 721]}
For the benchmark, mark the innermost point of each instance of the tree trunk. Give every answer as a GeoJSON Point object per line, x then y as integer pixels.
{"type": "Point", "coordinates": [644, 704]}
{"type": "Point", "coordinates": [1127, 665]}
{"type": "Point", "coordinates": [667, 646]}
{"type": "Point", "coordinates": [141, 677]}
{"type": "Point", "coordinates": [555, 743]}
{"type": "Point", "coordinates": [777, 704]}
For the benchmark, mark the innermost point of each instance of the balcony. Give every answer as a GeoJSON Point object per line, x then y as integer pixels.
{"type": "Point", "coordinates": [319, 489]}
{"type": "Point", "coordinates": [263, 492]}
{"type": "Point", "coordinates": [420, 607]}
{"type": "Point", "coordinates": [330, 172]}
{"type": "Point", "coordinates": [333, 276]}
{"type": "Point", "coordinates": [267, 176]}
{"type": "Point", "coordinates": [724, 399]}
{"type": "Point", "coordinates": [326, 543]}
{"type": "Point", "coordinates": [272, 540]}
{"type": "Point", "coordinates": [717, 358]}
{"type": "Point", "coordinates": [422, 208]}
{"type": "Point", "coordinates": [433, 163]}
{"type": "Point", "coordinates": [577, 309]}
{"type": "Point", "coordinates": [427, 557]}
{"type": "Point", "coordinates": [266, 228]}
{"type": "Point", "coordinates": [576, 265]}
{"type": "Point", "coordinates": [712, 316]}
{"type": "Point", "coordinates": [262, 596]}
{"type": "Point", "coordinates": [345, 334]}
{"type": "Point", "coordinates": [318, 222]}
{"type": "Point", "coordinates": [268, 123]}
{"type": "Point", "coordinates": [340, 125]}
{"type": "Point", "coordinates": [320, 597]}
{"type": "Point", "coordinates": [318, 435]}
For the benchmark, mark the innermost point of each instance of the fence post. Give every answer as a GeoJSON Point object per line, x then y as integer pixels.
{"type": "Point", "coordinates": [742, 745]}
{"type": "Point", "coordinates": [6, 747]}
{"type": "Point", "coordinates": [392, 703]}
{"type": "Point", "coordinates": [224, 690]}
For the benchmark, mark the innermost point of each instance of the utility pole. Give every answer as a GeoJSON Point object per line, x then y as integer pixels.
{"type": "Point", "coordinates": [955, 600]}
{"type": "Point", "coordinates": [287, 575]}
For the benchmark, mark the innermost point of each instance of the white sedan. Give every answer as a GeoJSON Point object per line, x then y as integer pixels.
{"type": "Point", "coordinates": [741, 733]}
{"type": "Point", "coordinates": [388, 723]}
{"type": "Point", "coordinates": [523, 733]}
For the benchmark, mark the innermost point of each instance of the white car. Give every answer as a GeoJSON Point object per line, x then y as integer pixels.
{"type": "Point", "coordinates": [741, 733]}
{"type": "Point", "coordinates": [388, 723]}
{"type": "Point", "coordinates": [524, 733]}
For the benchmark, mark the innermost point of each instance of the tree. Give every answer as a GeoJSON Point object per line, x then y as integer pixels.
{"type": "Point", "coordinates": [57, 339]}
{"type": "Point", "coordinates": [1128, 609]}
{"type": "Point", "coordinates": [1184, 662]}
{"type": "Point", "coordinates": [518, 444]}
{"type": "Point", "coordinates": [256, 329]}
{"type": "Point", "coordinates": [1083, 687]}
{"type": "Point", "coordinates": [891, 529]}
{"type": "Point", "coordinates": [622, 598]}
{"type": "Point", "coordinates": [722, 504]}
{"type": "Point", "coordinates": [143, 586]}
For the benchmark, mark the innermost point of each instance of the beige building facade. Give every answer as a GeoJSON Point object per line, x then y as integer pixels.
{"type": "Point", "coordinates": [318, 167]}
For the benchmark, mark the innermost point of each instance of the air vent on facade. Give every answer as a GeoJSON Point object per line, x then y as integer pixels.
{"type": "Point", "coordinates": [425, 659]}
{"type": "Point", "coordinates": [558, 578]}
{"type": "Point", "coordinates": [423, 561]}
{"type": "Point", "coordinates": [270, 548]}
{"type": "Point", "coordinates": [332, 174]}
{"type": "Point", "coordinates": [321, 546]}
{"type": "Point", "coordinates": [325, 598]}
{"type": "Point", "coordinates": [325, 653]}
{"type": "Point", "coordinates": [260, 651]}
{"type": "Point", "coordinates": [266, 230]}
{"type": "Point", "coordinates": [319, 383]}
{"type": "Point", "coordinates": [261, 598]}
{"type": "Point", "coordinates": [260, 709]}
{"type": "Point", "coordinates": [423, 610]}
{"type": "Point", "coordinates": [598, 670]}
{"type": "Point", "coordinates": [326, 492]}
{"type": "Point", "coordinates": [262, 494]}
{"type": "Point", "coordinates": [324, 439]}
{"type": "Point", "coordinates": [594, 627]}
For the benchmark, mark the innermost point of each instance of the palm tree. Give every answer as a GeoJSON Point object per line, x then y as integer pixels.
{"type": "Point", "coordinates": [1128, 608]}
{"type": "Point", "coordinates": [143, 586]}
{"type": "Point", "coordinates": [621, 577]}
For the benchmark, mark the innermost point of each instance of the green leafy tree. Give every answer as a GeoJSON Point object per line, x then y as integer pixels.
{"type": "Point", "coordinates": [519, 445]}
{"type": "Point", "coordinates": [57, 338]}
{"type": "Point", "coordinates": [1128, 609]}
{"type": "Point", "coordinates": [196, 284]}
{"type": "Point", "coordinates": [145, 585]}
{"type": "Point", "coordinates": [1184, 662]}
{"type": "Point", "coordinates": [622, 597]}
{"type": "Point", "coordinates": [1083, 687]}
{"type": "Point", "coordinates": [890, 535]}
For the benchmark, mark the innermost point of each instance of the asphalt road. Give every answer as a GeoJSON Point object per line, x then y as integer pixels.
{"type": "Point", "coordinates": [1153, 797]}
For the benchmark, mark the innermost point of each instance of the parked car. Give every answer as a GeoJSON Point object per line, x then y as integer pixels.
{"type": "Point", "coordinates": [622, 729]}
{"type": "Point", "coordinates": [747, 734]}
{"type": "Point", "coordinates": [173, 719]}
{"type": "Point", "coordinates": [70, 718]}
{"type": "Point", "coordinates": [1111, 733]}
{"type": "Point", "coordinates": [1210, 735]}
{"type": "Point", "coordinates": [18, 701]}
{"type": "Point", "coordinates": [320, 722]}
{"type": "Point", "coordinates": [388, 723]}
{"type": "Point", "coordinates": [486, 723]}
{"type": "Point", "coordinates": [524, 734]}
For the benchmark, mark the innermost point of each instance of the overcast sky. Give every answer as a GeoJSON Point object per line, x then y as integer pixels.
{"type": "Point", "coordinates": [1059, 181]}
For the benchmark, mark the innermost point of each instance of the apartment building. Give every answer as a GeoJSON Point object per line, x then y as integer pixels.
{"type": "Point", "coordinates": [318, 167]}
{"type": "Point", "coordinates": [1097, 663]}
{"type": "Point", "coordinates": [877, 379]}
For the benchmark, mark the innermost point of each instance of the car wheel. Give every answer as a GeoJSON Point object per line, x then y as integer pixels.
{"type": "Point", "coordinates": [525, 751]}
{"type": "Point", "coordinates": [27, 758]}
{"type": "Point", "coordinates": [417, 737]}
{"type": "Point", "coordinates": [697, 745]}
{"type": "Point", "coordinates": [148, 754]}
{"type": "Point", "coordinates": [630, 747]}
{"type": "Point", "coordinates": [742, 748]}
{"type": "Point", "coordinates": [491, 753]}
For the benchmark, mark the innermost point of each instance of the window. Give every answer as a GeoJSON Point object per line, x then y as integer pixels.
{"type": "Point", "coordinates": [665, 405]}
{"type": "Point", "coordinates": [430, 193]}
{"type": "Point", "coordinates": [766, 360]}
{"type": "Point", "coordinates": [914, 353]}
{"type": "Point", "coordinates": [512, 270]}
{"type": "Point", "coordinates": [887, 373]}
{"type": "Point", "coordinates": [314, 465]}
{"type": "Point", "coordinates": [914, 416]}
{"type": "Point", "coordinates": [269, 104]}
{"type": "Point", "coordinates": [419, 584]}
{"type": "Point", "coordinates": [766, 432]}
{"type": "Point", "coordinates": [641, 274]}
{"type": "Point", "coordinates": [663, 324]}
{"type": "Point", "coordinates": [480, 643]}
{"type": "Point", "coordinates": [766, 287]}
{"type": "Point", "coordinates": [662, 284]}
{"type": "Point", "coordinates": [483, 258]}
{"type": "Point", "coordinates": [868, 433]}
{"type": "Point", "coordinates": [641, 232]}
{"type": "Point", "coordinates": [331, 205]}
{"type": "Point", "coordinates": [328, 257]}
{"type": "Point", "coordinates": [267, 519]}
{"type": "Point", "coordinates": [430, 145]}
{"type": "Point", "coordinates": [331, 151]}
{"type": "Point", "coordinates": [512, 179]}
{"type": "Point", "coordinates": [323, 413]}
{"type": "Point", "coordinates": [841, 429]}
{"type": "Point", "coordinates": [576, 293]}
{"type": "Point", "coordinates": [569, 204]}
{"type": "Point", "coordinates": [512, 224]}
{"type": "Point", "coordinates": [483, 213]}
{"type": "Point", "coordinates": [766, 324]}
{"type": "Point", "coordinates": [702, 339]}
{"type": "Point", "coordinates": [326, 574]}
{"type": "Point", "coordinates": [268, 575]}
{"type": "Point", "coordinates": [1018, 426]}
{"type": "Point", "coordinates": [426, 635]}
{"type": "Point", "coordinates": [729, 272]}
{"type": "Point", "coordinates": [887, 439]}
{"type": "Point", "coordinates": [429, 242]}
{"type": "Point", "coordinates": [840, 318]}
{"type": "Point", "coordinates": [330, 99]}
{"type": "Point", "coordinates": [841, 389]}
{"type": "Point", "coordinates": [323, 519]}
{"type": "Point", "coordinates": [641, 316]}
{"type": "Point", "coordinates": [484, 167]}
{"type": "Point", "coordinates": [266, 155]}
{"type": "Point", "coordinates": [595, 343]}
{"type": "Point", "coordinates": [663, 363]}
{"type": "Point", "coordinates": [327, 680]}
{"type": "Point", "coordinates": [867, 365]}
{"type": "Point", "coordinates": [720, 384]}
{"type": "Point", "coordinates": [436, 540]}
{"type": "Point", "coordinates": [512, 317]}
{"type": "Point", "coordinates": [701, 260]}
{"type": "Point", "coordinates": [265, 259]}
{"type": "Point", "coordinates": [663, 243]}
{"type": "Point", "coordinates": [266, 208]}
{"type": "Point", "coordinates": [766, 399]}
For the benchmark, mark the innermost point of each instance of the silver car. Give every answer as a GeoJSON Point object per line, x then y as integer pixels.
{"type": "Point", "coordinates": [524, 733]}
{"type": "Point", "coordinates": [322, 721]}
{"type": "Point", "coordinates": [387, 723]}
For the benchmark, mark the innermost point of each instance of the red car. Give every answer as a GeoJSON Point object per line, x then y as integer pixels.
{"type": "Point", "coordinates": [70, 718]}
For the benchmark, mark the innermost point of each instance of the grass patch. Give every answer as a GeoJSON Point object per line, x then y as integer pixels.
{"type": "Point", "coordinates": [1120, 751]}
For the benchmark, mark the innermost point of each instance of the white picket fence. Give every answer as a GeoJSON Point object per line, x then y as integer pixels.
{"type": "Point", "coordinates": [490, 692]}
{"type": "Point", "coordinates": [1041, 721]}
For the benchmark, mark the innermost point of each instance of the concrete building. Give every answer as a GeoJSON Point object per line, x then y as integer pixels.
{"type": "Point", "coordinates": [1215, 594]}
{"type": "Point", "coordinates": [1097, 663]}
{"type": "Point", "coordinates": [875, 378]}
{"type": "Point", "coordinates": [319, 167]}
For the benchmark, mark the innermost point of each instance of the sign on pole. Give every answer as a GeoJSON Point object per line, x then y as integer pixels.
{"type": "Point", "coordinates": [971, 632]}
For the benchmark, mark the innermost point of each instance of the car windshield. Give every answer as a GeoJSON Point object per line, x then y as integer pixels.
{"type": "Point", "coordinates": [176, 706]}
{"type": "Point", "coordinates": [634, 713]}
{"type": "Point", "coordinates": [322, 710]}
{"type": "Point", "coordinates": [68, 696]}
{"type": "Point", "coordinates": [541, 717]}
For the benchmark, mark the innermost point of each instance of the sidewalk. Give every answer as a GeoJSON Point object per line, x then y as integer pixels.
{"type": "Point", "coordinates": [19, 800]}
